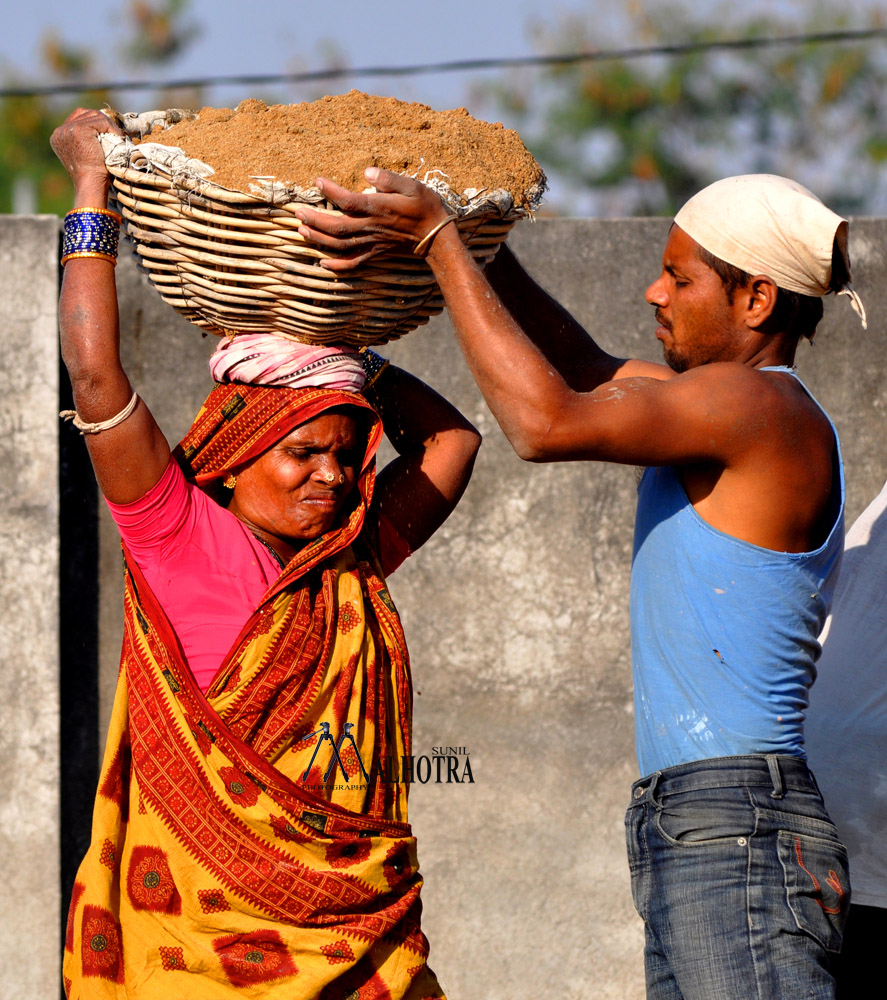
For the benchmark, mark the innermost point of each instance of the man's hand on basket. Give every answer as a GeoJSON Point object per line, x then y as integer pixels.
{"type": "Point", "coordinates": [398, 216]}
{"type": "Point", "coordinates": [75, 142]}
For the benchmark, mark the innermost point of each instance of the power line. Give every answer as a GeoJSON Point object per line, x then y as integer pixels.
{"type": "Point", "coordinates": [455, 66]}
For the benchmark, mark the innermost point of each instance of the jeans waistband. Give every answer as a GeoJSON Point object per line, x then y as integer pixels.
{"type": "Point", "coordinates": [779, 772]}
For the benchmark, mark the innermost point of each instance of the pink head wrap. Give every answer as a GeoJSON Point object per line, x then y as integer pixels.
{"type": "Point", "coordinates": [267, 359]}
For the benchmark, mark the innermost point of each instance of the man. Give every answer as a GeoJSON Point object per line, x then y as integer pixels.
{"type": "Point", "coordinates": [736, 868]}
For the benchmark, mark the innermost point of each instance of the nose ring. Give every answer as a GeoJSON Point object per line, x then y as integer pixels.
{"type": "Point", "coordinates": [331, 478]}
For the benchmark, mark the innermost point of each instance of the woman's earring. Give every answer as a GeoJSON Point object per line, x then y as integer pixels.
{"type": "Point", "coordinates": [230, 482]}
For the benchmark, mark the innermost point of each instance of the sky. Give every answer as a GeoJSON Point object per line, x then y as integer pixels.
{"type": "Point", "coordinates": [291, 35]}
{"type": "Point", "coordinates": [280, 36]}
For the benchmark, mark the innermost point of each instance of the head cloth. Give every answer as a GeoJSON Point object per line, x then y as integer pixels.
{"type": "Point", "coordinates": [269, 359]}
{"type": "Point", "coordinates": [237, 423]}
{"type": "Point", "coordinates": [266, 386]}
{"type": "Point", "coordinates": [774, 226]}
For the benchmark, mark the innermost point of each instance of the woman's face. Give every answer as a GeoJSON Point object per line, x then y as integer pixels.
{"type": "Point", "coordinates": [296, 489]}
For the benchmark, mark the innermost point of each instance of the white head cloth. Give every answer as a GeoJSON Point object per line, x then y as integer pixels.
{"type": "Point", "coordinates": [764, 224]}
{"type": "Point", "coordinates": [266, 359]}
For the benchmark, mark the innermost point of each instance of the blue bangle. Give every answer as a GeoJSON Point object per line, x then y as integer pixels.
{"type": "Point", "coordinates": [91, 232]}
{"type": "Point", "coordinates": [373, 366]}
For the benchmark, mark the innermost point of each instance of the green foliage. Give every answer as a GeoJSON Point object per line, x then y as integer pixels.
{"type": "Point", "coordinates": [25, 127]}
{"type": "Point", "coordinates": [639, 136]}
{"type": "Point", "coordinates": [161, 32]}
{"type": "Point", "coordinates": [157, 32]}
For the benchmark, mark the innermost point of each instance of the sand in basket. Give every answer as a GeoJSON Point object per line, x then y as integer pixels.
{"type": "Point", "coordinates": [208, 202]}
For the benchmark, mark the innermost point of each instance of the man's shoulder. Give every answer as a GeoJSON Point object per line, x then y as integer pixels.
{"type": "Point", "coordinates": [757, 409]}
{"type": "Point", "coordinates": [735, 373]}
{"type": "Point", "coordinates": [748, 388]}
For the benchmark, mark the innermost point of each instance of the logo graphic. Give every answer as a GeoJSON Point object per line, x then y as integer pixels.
{"type": "Point", "coordinates": [446, 764]}
{"type": "Point", "coordinates": [323, 734]}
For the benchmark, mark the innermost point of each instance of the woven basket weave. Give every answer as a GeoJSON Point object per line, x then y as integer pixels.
{"type": "Point", "coordinates": [232, 262]}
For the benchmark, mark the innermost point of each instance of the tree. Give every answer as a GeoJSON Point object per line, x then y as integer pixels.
{"type": "Point", "coordinates": [156, 33]}
{"type": "Point", "coordinates": [639, 136]}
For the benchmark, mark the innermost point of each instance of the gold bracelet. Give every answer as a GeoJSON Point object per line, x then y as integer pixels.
{"type": "Point", "coordinates": [102, 211]}
{"type": "Point", "coordinates": [88, 253]}
{"type": "Point", "coordinates": [425, 242]}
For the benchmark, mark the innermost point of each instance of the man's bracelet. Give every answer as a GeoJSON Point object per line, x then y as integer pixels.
{"type": "Point", "coordinates": [423, 244]}
{"type": "Point", "coordinates": [91, 232]}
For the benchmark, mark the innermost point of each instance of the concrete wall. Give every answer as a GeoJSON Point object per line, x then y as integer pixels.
{"type": "Point", "coordinates": [516, 615]}
{"type": "Point", "coordinates": [30, 891]}
{"type": "Point", "coordinates": [517, 620]}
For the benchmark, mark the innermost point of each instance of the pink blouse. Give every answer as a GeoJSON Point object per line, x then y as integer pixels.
{"type": "Point", "coordinates": [205, 567]}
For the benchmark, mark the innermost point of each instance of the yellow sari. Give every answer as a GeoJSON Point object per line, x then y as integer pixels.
{"type": "Point", "coordinates": [216, 852]}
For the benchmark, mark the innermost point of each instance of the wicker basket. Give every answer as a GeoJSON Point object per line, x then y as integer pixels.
{"type": "Point", "coordinates": [232, 262]}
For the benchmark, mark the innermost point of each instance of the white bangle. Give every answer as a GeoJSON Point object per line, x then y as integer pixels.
{"type": "Point", "coordinates": [85, 427]}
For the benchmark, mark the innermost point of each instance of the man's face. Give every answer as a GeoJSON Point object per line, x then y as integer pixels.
{"type": "Point", "coordinates": [697, 325]}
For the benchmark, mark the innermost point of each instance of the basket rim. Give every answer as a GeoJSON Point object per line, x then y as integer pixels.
{"type": "Point", "coordinates": [180, 172]}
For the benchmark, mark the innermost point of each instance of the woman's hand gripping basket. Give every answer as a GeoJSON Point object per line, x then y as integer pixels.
{"type": "Point", "coordinates": [232, 260]}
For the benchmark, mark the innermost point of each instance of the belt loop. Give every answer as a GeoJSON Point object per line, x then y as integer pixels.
{"type": "Point", "coordinates": [775, 776]}
{"type": "Point", "coordinates": [654, 781]}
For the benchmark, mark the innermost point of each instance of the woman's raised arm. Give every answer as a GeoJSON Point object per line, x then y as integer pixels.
{"type": "Point", "coordinates": [436, 448]}
{"type": "Point", "coordinates": [128, 458]}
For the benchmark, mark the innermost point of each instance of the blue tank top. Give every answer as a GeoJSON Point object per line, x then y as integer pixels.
{"type": "Point", "coordinates": [723, 632]}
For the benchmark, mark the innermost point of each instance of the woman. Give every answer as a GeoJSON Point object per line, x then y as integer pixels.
{"type": "Point", "coordinates": [232, 838]}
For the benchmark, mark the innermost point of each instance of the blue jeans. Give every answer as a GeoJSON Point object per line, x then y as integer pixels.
{"type": "Point", "coordinates": [740, 878]}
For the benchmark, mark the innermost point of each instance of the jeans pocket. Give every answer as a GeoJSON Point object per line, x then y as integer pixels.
{"type": "Point", "coordinates": [637, 860]}
{"type": "Point", "coordinates": [711, 816]}
{"type": "Point", "coordinates": [817, 885]}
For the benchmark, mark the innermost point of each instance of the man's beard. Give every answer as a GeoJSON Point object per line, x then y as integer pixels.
{"type": "Point", "coordinates": [676, 362]}
{"type": "Point", "coordinates": [672, 358]}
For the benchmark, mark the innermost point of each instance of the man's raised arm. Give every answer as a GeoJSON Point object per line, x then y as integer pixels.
{"type": "Point", "coordinates": [533, 362]}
